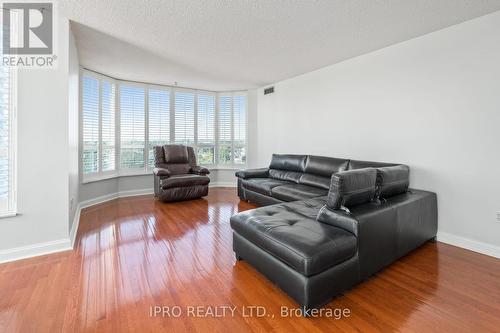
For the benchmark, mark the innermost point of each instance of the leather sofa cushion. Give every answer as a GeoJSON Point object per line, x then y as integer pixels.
{"type": "Point", "coordinates": [392, 180]}
{"type": "Point", "coordinates": [295, 163]}
{"type": "Point", "coordinates": [176, 154]}
{"type": "Point", "coordinates": [316, 181]}
{"type": "Point", "coordinates": [184, 181]}
{"type": "Point", "coordinates": [325, 166]}
{"type": "Point", "coordinates": [355, 164]}
{"type": "Point", "coordinates": [309, 247]}
{"type": "Point", "coordinates": [351, 188]}
{"type": "Point", "coordinates": [290, 176]}
{"type": "Point", "coordinates": [253, 173]}
{"type": "Point", "coordinates": [262, 185]}
{"type": "Point", "coordinates": [294, 192]}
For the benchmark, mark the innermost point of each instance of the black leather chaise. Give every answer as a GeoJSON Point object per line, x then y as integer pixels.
{"type": "Point", "coordinates": [329, 223]}
{"type": "Point", "coordinates": [176, 175]}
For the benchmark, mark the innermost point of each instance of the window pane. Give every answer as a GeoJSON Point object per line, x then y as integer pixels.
{"type": "Point", "coordinates": [225, 154]}
{"type": "Point", "coordinates": [205, 155]}
{"type": "Point", "coordinates": [240, 156]}
{"type": "Point", "coordinates": [225, 119]}
{"type": "Point", "coordinates": [159, 120]}
{"type": "Point", "coordinates": [206, 119]}
{"type": "Point", "coordinates": [132, 131]}
{"type": "Point", "coordinates": [184, 117]}
{"type": "Point", "coordinates": [108, 126]}
{"type": "Point", "coordinates": [90, 110]}
{"type": "Point", "coordinates": [240, 119]}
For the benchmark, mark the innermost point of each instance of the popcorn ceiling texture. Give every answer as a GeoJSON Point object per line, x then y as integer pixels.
{"type": "Point", "coordinates": [230, 45]}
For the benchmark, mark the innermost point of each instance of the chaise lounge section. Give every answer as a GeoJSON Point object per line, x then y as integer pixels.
{"type": "Point", "coordinates": [328, 239]}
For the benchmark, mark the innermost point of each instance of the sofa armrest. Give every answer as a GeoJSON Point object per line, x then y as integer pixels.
{"type": "Point", "coordinates": [339, 219]}
{"type": "Point", "coordinates": [253, 173]}
{"type": "Point", "coordinates": [161, 172]}
{"type": "Point", "coordinates": [199, 170]}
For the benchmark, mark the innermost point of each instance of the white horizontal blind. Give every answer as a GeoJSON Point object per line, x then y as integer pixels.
{"type": "Point", "coordinates": [90, 124]}
{"type": "Point", "coordinates": [239, 128]}
{"type": "Point", "coordinates": [159, 120]}
{"type": "Point", "coordinates": [225, 132]}
{"type": "Point", "coordinates": [132, 127]}
{"type": "Point", "coordinates": [108, 151]}
{"type": "Point", "coordinates": [184, 117]}
{"type": "Point", "coordinates": [214, 124]}
{"type": "Point", "coordinates": [206, 128]}
{"type": "Point", "coordinates": [7, 135]}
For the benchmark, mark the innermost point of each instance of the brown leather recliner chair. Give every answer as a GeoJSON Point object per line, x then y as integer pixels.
{"type": "Point", "coordinates": [176, 175]}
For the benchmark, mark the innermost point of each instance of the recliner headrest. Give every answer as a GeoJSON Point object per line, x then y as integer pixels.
{"type": "Point", "coordinates": [352, 188]}
{"type": "Point", "coordinates": [176, 154]}
{"type": "Point", "coordinates": [392, 180]}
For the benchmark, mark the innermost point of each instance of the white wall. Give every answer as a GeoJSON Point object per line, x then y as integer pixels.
{"type": "Point", "coordinates": [432, 102]}
{"type": "Point", "coordinates": [43, 162]}
{"type": "Point", "coordinates": [73, 134]}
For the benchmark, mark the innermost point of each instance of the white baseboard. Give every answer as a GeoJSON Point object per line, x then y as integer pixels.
{"type": "Point", "coordinates": [222, 184]}
{"type": "Point", "coordinates": [469, 244]}
{"type": "Point", "coordinates": [112, 196]}
{"type": "Point", "coordinates": [34, 250]}
{"type": "Point", "coordinates": [133, 193]}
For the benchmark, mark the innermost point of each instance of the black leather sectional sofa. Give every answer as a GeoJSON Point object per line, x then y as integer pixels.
{"type": "Point", "coordinates": [328, 223]}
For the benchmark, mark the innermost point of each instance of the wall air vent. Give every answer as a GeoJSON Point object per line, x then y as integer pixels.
{"type": "Point", "coordinates": [269, 90]}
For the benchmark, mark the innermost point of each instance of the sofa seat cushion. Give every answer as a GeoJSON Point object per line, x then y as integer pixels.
{"type": "Point", "coordinates": [292, 192]}
{"type": "Point", "coordinates": [262, 185]}
{"type": "Point", "coordinates": [184, 181]}
{"type": "Point", "coordinates": [286, 232]}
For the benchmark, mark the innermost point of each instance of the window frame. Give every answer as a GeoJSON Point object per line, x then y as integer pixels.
{"type": "Point", "coordinates": [12, 147]}
{"type": "Point", "coordinates": [99, 175]}
{"type": "Point", "coordinates": [206, 145]}
{"type": "Point", "coordinates": [171, 90]}
{"type": "Point", "coordinates": [232, 164]}
{"type": "Point", "coordinates": [171, 111]}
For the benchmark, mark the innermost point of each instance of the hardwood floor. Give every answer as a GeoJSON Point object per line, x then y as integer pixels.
{"type": "Point", "coordinates": [136, 253]}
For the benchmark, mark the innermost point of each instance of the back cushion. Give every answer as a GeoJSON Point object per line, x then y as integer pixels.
{"type": "Point", "coordinates": [176, 154]}
{"type": "Point", "coordinates": [319, 169]}
{"type": "Point", "coordinates": [287, 167]}
{"type": "Point", "coordinates": [392, 180]}
{"type": "Point", "coordinates": [178, 168]}
{"type": "Point", "coordinates": [354, 164]}
{"type": "Point", "coordinates": [351, 188]}
{"type": "Point", "coordinates": [325, 166]}
{"type": "Point", "coordinates": [316, 181]}
{"type": "Point", "coordinates": [159, 156]}
{"type": "Point", "coordinates": [288, 162]}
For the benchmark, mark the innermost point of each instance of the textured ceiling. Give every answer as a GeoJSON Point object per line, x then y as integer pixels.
{"type": "Point", "coordinates": [242, 44]}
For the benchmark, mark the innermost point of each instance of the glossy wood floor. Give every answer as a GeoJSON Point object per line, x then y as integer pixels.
{"type": "Point", "coordinates": [136, 253]}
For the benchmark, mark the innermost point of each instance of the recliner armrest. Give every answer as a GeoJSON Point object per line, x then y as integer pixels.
{"type": "Point", "coordinates": [199, 170]}
{"type": "Point", "coordinates": [253, 173]}
{"type": "Point", "coordinates": [161, 172]}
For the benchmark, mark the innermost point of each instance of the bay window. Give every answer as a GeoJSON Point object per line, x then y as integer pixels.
{"type": "Point", "coordinates": [122, 122]}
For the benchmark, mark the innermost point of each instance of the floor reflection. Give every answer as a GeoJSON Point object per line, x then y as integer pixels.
{"type": "Point", "coordinates": [137, 252]}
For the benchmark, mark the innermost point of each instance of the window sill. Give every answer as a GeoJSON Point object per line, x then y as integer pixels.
{"type": "Point", "coordinates": [8, 214]}
{"type": "Point", "coordinates": [93, 179]}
